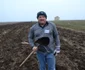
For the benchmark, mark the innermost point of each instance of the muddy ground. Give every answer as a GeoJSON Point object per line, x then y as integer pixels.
{"type": "Point", "coordinates": [12, 52]}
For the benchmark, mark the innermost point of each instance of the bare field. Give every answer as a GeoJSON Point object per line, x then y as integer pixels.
{"type": "Point", "coordinates": [12, 52]}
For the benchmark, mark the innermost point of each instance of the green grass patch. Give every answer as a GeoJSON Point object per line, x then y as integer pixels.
{"type": "Point", "coordinates": [72, 24]}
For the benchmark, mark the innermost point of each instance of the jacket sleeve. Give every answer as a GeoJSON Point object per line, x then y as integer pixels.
{"type": "Point", "coordinates": [31, 37]}
{"type": "Point", "coordinates": [56, 37]}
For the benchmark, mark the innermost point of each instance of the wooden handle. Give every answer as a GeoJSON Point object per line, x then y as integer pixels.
{"type": "Point", "coordinates": [26, 58]}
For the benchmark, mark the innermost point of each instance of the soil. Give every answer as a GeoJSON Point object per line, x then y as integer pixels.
{"type": "Point", "coordinates": [12, 52]}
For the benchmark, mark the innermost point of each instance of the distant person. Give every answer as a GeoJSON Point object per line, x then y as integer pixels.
{"type": "Point", "coordinates": [45, 29]}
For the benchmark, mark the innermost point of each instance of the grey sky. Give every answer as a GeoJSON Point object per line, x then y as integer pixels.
{"type": "Point", "coordinates": [26, 10]}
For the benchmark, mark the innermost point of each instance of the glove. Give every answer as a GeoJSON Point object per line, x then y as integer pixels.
{"type": "Point", "coordinates": [56, 51]}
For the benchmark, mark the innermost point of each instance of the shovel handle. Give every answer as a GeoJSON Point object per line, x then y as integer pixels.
{"type": "Point", "coordinates": [26, 58]}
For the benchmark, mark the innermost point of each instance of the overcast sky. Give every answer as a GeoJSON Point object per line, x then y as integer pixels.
{"type": "Point", "coordinates": [26, 10]}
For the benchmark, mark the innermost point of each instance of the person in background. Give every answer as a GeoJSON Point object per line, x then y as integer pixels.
{"type": "Point", "coordinates": [45, 29]}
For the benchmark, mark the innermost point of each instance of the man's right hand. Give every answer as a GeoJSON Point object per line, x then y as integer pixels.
{"type": "Point", "coordinates": [35, 49]}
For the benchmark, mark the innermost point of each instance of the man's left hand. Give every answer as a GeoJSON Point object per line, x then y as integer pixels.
{"type": "Point", "coordinates": [57, 51]}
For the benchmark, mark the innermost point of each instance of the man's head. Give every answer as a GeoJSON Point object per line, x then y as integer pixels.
{"type": "Point", "coordinates": [42, 17]}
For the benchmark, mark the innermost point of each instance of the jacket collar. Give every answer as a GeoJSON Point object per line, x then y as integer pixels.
{"type": "Point", "coordinates": [44, 25]}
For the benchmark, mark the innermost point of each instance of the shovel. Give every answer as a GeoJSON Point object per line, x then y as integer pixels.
{"type": "Point", "coordinates": [42, 41]}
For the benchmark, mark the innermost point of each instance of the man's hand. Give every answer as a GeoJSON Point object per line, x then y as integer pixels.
{"type": "Point", "coordinates": [57, 50]}
{"type": "Point", "coordinates": [35, 48]}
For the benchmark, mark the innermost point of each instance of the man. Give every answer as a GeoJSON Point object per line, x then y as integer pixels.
{"type": "Point", "coordinates": [45, 29]}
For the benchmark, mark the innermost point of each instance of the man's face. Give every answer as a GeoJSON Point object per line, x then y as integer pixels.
{"type": "Point", "coordinates": [42, 19]}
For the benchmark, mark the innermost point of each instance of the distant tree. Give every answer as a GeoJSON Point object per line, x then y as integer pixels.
{"type": "Point", "coordinates": [57, 18]}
